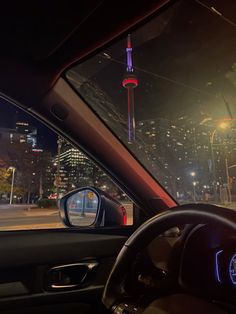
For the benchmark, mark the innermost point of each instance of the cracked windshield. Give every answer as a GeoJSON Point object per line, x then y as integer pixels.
{"type": "Point", "coordinates": [168, 91]}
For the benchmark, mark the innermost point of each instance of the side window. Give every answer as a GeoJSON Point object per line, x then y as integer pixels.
{"type": "Point", "coordinates": [37, 168]}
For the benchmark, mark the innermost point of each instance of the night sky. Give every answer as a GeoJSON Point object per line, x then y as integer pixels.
{"type": "Point", "coordinates": [11, 114]}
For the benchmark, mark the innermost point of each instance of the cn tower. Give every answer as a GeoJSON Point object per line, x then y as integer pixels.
{"type": "Point", "coordinates": [129, 82]}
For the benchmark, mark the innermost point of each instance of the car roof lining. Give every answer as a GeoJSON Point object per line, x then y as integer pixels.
{"type": "Point", "coordinates": [40, 40]}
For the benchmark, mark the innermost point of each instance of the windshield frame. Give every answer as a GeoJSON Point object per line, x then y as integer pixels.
{"type": "Point", "coordinates": [93, 107]}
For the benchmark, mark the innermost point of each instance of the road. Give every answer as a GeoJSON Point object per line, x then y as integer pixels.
{"type": "Point", "coordinates": [4, 222]}
{"type": "Point", "coordinates": [22, 217]}
{"type": "Point", "coordinates": [16, 217]}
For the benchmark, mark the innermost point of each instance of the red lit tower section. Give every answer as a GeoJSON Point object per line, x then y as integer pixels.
{"type": "Point", "coordinates": [129, 82]}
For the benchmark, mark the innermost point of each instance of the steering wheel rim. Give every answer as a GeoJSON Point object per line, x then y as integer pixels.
{"type": "Point", "coordinates": [184, 214]}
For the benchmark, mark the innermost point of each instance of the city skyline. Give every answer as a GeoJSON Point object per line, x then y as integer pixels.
{"type": "Point", "coordinates": [168, 146]}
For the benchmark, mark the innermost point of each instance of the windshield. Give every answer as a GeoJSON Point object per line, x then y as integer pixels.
{"type": "Point", "coordinates": [168, 91]}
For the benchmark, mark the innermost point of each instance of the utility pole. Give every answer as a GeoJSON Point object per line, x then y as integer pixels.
{"type": "Point", "coordinates": [194, 191]}
{"type": "Point", "coordinates": [213, 164]}
{"type": "Point", "coordinates": [228, 179]}
{"type": "Point", "coordinates": [58, 179]}
{"type": "Point", "coordinates": [12, 182]}
{"type": "Point", "coordinates": [40, 185]}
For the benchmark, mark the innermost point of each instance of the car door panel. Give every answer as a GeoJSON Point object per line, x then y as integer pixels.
{"type": "Point", "coordinates": [28, 257]}
{"type": "Point", "coordinates": [49, 247]}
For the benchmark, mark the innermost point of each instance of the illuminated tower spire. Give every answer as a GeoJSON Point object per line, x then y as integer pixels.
{"type": "Point", "coordinates": [130, 82]}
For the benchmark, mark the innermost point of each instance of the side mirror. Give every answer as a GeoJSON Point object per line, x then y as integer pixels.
{"type": "Point", "coordinates": [89, 206]}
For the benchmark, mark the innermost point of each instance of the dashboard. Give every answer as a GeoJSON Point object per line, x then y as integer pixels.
{"type": "Point", "coordinates": [198, 260]}
{"type": "Point", "coordinates": [231, 270]}
{"type": "Point", "coordinates": [207, 259]}
{"type": "Point", "coordinates": [208, 263]}
{"type": "Point", "coordinates": [225, 267]}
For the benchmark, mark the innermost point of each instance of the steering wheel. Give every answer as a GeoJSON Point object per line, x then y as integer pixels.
{"type": "Point", "coordinates": [114, 290]}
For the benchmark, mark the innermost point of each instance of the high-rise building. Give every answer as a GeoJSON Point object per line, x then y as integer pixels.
{"type": "Point", "coordinates": [10, 135]}
{"type": "Point", "coordinates": [76, 170]}
{"type": "Point", "coordinates": [182, 147]}
{"type": "Point", "coordinates": [27, 133]}
{"type": "Point", "coordinates": [22, 133]}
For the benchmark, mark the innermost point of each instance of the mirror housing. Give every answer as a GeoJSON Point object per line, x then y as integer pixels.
{"type": "Point", "coordinates": [92, 207]}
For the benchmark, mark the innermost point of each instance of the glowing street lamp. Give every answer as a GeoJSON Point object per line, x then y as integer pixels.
{"type": "Point", "coordinates": [13, 169]}
{"type": "Point", "coordinates": [194, 190]}
{"type": "Point", "coordinates": [224, 125]}
{"type": "Point", "coordinates": [193, 173]}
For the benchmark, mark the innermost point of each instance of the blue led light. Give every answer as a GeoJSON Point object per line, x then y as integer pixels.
{"type": "Point", "coordinates": [217, 265]}
{"type": "Point", "coordinates": [232, 272]}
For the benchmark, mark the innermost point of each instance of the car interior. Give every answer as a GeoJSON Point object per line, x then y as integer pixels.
{"type": "Point", "coordinates": [175, 257]}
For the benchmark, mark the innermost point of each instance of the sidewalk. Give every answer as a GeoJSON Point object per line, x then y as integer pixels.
{"type": "Point", "coordinates": [42, 226]}
{"type": "Point", "coordinates": [25, 210]}
{"type": "Point", "coordinates": [32, 212]}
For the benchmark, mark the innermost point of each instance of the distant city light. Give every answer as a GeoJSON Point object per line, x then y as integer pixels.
{"type": "Point", "coordinates": [223, 125]}
{"type": "Point", "coordinates": [106, 55]}
{"type": "Point", "coordinates": [37, 150]}
{"type": "Point", "coordinates": [22, 123]}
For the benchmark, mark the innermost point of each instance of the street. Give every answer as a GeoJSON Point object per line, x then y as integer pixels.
{"type": "Point", "coordinates": [17, 217]}
{"type": "Point", "coordinates": [22, 217]}
{"type": "Point", "coordinates": [25, 217]}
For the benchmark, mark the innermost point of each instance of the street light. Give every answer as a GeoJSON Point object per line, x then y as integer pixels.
{"type": "Point", "coordinates": [194, 190]}
{"type": "Point", "coordinates": [193, 174]}
{"type": "Point", "coordinates": [232, 166]}
{"type": "Point", "coordinates": [223, 125]}
{"type": "Point", "coordinates": [13, 169]}
{"type": "Point", "coordinates": [227, 167]}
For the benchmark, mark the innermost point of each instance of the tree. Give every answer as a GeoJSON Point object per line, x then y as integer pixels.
{"type": "Point", "coordinates": [5, 186]}
{"type": "Point", "coordinates": [43, 179]}
{"type": "Point", "coordinates": [5, 180]}
{"type": "Point", "coordinates": [30, 168]}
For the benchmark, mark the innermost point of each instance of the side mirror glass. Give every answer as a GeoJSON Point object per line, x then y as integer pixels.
{"type": "Point", "coordinates": [90, 206]}
{"type": "Point", "coordinates": [82, 208]}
